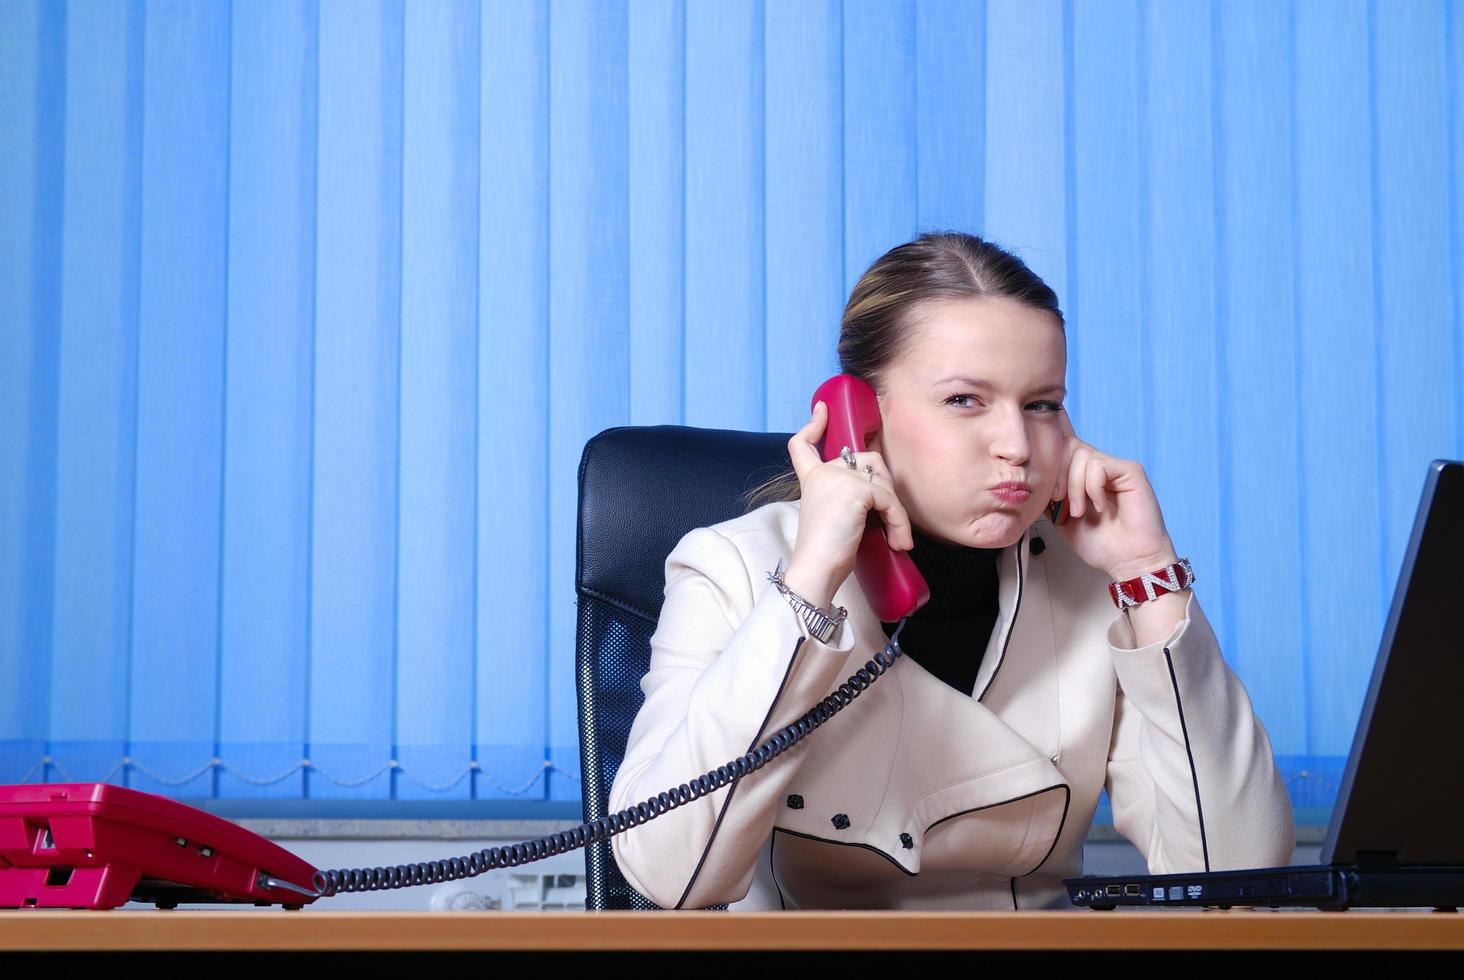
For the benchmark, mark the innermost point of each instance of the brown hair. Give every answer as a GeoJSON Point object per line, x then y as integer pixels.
{"type": "Point", "coordinates": [876, 326]}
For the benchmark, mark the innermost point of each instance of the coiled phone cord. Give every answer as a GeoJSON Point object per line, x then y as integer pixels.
{"type": "Point", "coordinates": [450, 869]}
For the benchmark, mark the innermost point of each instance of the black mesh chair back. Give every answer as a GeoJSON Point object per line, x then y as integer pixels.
{"type": "Point", "coordinates": [640, 489]}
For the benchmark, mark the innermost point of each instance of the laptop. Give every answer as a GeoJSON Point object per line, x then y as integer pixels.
{"type": "Point", "coordinates": [1396, 837]}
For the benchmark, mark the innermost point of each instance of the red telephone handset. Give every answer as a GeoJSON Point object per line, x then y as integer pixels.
{"type": "Point", "coordinates": [890, 580]}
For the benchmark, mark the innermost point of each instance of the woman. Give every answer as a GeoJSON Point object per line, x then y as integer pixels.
{"type": "Point", "coordinates": [967, 774]}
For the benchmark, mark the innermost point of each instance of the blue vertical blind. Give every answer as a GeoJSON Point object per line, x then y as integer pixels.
{"type": "Point", "coordinates": [308, 309]}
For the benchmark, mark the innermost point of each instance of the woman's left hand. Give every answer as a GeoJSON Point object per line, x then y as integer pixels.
{"type": "Point", "coordinates": [1110, 517]}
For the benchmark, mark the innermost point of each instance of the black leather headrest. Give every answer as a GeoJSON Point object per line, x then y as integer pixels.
{"type": "Point", "coordinates": [643, 487]}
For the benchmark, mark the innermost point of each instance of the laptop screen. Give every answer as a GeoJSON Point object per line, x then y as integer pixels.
{"type": "Point", "coordinates": [1401, 792]}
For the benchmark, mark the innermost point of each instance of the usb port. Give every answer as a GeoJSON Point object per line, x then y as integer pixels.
{"type": "Point", "coordinates": [1131, 889]}
{"type": "Point", "coordinates": [1111, 889]}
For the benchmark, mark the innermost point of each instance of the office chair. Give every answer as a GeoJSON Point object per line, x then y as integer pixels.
{"type": "Point", "coordinates": [640, 489]}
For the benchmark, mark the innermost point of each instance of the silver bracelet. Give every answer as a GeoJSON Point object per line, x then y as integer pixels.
{"type": "Point", "coordinates": [821, 625]}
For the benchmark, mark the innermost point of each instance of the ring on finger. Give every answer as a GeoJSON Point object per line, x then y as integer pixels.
{"type": "Point", "coordinates": [870, 470]}
{"type": "Point", "coordinates": [847, 455]}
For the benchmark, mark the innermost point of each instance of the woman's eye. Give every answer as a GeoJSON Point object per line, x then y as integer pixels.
{"type": "Point", "coordinates": [1048, 406]}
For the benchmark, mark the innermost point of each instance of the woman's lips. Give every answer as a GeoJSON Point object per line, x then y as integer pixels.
{"type": "Point", "coordinates": [1011, 496]}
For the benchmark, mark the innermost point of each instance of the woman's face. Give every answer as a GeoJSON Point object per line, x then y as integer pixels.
{"type": "Point", "coordinates": [948, 440]}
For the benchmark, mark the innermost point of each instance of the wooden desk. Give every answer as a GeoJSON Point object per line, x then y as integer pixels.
{"type": "Point", "coordinates": [1120, 929]}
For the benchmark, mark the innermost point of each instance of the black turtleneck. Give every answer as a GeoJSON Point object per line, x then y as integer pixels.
{"type": "Point", "coordinates": [948, 635]}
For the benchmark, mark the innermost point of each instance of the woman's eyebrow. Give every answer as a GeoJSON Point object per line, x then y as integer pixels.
{"type": "Point", "coordinates": [983, 383]}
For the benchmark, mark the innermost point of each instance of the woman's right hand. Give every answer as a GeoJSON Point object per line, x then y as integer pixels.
{"type": "Point", "coordinates": [834, 512]}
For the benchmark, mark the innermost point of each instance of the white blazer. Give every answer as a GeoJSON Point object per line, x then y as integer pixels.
{"type": "Point", "coordinates": [915, 795]}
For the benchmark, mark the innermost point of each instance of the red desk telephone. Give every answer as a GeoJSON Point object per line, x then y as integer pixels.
{"type": "Point", "coordinates": [96, 845]}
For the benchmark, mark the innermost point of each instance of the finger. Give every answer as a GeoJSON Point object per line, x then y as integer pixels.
{"type": "Point", "coordinates": [803, 446]}
{"type": "Point", "coordinates": [1097, 482]}
{"type": "Point", "coordinates": [1077, 497]}
{"type": "Point", "coordinates": [1062, 473]}
{"type": "Point", "coordinates": [1070, 447]}
{"type": "Point", "coordinates": [896, 520]}
{"type": "Point", "coordinates": [885, 501]}
{"type": "Point", "coordinates": [883, 487]}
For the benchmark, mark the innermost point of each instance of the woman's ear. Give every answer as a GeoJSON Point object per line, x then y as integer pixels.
{"type": "Point", "coordinates": [873, 443]}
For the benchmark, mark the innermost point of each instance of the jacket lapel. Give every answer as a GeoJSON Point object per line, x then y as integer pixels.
{"type": "Point", "coordinates": [913, 758]}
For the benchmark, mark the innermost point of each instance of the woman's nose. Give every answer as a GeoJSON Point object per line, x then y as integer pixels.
{"type": "Point", "coordinates": [1011, 443]}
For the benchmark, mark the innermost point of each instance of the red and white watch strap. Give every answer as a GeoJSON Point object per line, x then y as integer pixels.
{"type": "Point", "coordinates": [1170, 578]}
